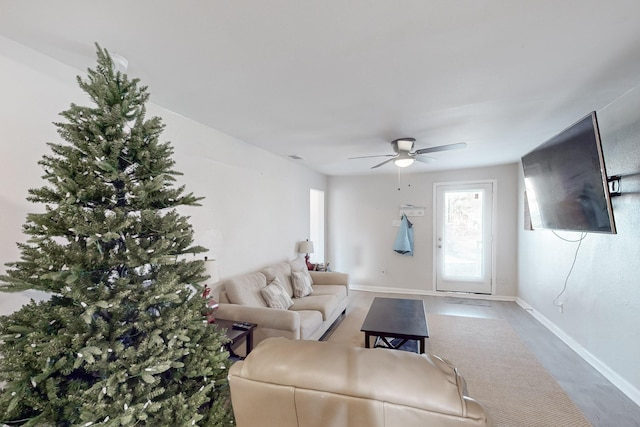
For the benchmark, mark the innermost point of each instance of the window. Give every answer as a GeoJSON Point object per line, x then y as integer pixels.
{"type": "Point", "coordinates": [316, 225]}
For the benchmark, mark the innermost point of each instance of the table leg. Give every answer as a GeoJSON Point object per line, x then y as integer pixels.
{"type": "Point", "coordinates": [249, 342]}
{"type": "Point", "coordinates": [366, 339]}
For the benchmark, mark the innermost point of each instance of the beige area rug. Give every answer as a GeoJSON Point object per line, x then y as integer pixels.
{"type": "Point", "coordinates": [500, 371]}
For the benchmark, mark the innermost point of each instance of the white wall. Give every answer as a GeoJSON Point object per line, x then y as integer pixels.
{"type": "Point", "coordinates": [362, 210]}
{"type": "Point", "coordinates": [601, 305]}
{"type": "Point", "coordinates": [256, 205]}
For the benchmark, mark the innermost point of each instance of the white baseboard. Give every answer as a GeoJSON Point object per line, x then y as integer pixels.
{"type": "Point", "coordinates": [407, 291]}
{"type": "Point", "coordinates": [622, 384]}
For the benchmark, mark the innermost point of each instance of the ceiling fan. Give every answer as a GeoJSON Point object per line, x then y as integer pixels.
{"type": "Point", "coordinates": [405, 156]}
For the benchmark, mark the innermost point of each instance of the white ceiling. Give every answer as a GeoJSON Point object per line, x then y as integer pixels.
{"type": "Point", "coordinates": [328, 80]}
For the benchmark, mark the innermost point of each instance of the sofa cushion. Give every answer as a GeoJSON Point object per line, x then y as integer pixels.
{"type": "Point", "coordinates": [283, 272]}
{"type": "Point", "coordinates": [339, 292]}
{"type": "Point", "coordinates": [275, 296]}
{"type": "Point", "coordinates": [310, 322]}
{"type": "Point", "coordinates": [325, 304]}
{"type": "Point", "coordinates": [245, 289]}
{"type": "Point", "coordinates": [301, 284]}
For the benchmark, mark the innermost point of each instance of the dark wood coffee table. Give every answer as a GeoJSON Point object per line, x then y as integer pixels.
{"type": "Point", "coordinates": [396, 318]}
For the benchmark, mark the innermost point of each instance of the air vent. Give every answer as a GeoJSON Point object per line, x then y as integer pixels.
{"type": "Point", "coordinates": [295, 157]}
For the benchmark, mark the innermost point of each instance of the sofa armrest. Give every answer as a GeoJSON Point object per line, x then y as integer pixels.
{"type": "Point", "coordinates": [329, 278]}
{"type": "Point", "coordinates": [264, 317]}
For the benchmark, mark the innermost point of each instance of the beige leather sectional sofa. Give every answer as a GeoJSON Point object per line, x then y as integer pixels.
{"type": "Point", "coordinates": [286, 383]}
{"type": "Point", "coordinates": [243, 299]}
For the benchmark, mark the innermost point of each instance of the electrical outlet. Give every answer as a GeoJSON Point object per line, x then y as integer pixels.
{"type": "Point", "coordinates": [561, 307]}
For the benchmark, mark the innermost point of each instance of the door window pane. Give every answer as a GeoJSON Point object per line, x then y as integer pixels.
{"type": "Point", "coordinates": [463, 234]}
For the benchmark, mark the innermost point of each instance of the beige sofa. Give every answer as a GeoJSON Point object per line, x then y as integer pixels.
{"type": "Point", "coordinates": [309, 317]}
{"type": "Point", "coordinates": [285, 383]}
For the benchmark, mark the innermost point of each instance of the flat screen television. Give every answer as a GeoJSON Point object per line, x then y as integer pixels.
{"type": "Point", "coordinates": [566, 181]}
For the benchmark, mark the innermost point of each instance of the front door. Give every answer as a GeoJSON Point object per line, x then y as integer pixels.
{"type": "Point", "coordinates": [463, 237]}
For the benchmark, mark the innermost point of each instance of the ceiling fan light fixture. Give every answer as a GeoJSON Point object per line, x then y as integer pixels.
{"type": "Point", "coordinates": [403, 162]}
{"type": "Point", "coordinates": [404, 159]}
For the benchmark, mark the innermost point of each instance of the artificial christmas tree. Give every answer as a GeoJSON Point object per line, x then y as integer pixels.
{"type": "Point", "coordinates": [122, 340]}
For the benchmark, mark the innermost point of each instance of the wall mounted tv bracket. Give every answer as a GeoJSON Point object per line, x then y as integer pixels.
{"type": "Point", "coordinates": [614, 185]}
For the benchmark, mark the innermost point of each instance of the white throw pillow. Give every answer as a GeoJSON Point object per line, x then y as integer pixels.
{"type": "Point", "coordinates": [275, 295]}
{"type": "Point", "coordinates": [308, 275]}
{"type": "Point", "coordinates": [301, 284]}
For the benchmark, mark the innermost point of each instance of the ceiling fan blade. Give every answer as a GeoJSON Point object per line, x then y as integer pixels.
{"type": "Point", "coordinates": [385, 162]}
{"type": "Point", "coordinates": [447, 147]}
{"type": "Point", "coordinates": [366, 157]}
{"type": "Point", "coordinates": [425, 159]}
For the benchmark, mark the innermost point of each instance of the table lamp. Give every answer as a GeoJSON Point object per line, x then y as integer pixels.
{"type": "Point", "coordinates": [306, 247]}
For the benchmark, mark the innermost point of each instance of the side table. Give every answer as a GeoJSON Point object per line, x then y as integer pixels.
{"type": "Point", "coordinates": [237, 336]}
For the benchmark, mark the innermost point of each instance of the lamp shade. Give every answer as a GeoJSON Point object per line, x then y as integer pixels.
{"type": "Point", "coordinates": [305, 247]}
{"type": "Point", "coordinates": [211, 268]}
